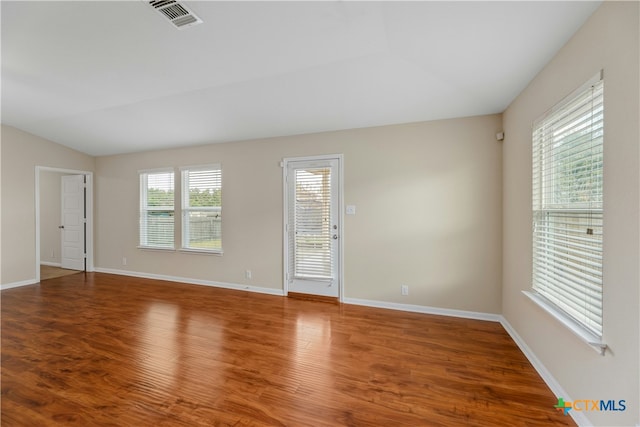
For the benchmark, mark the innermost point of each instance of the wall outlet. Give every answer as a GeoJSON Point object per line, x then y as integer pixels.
{"type": "Point", "coordinates": [247, 274]}
{"type": "Point", "coordinates": [53, 253]}
{"type": "Point", "coordinates": [124, 260]}
{"type": "Point", "coordinates": [404, 289]}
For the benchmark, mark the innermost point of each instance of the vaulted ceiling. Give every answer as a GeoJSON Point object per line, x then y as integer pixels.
{"type": "Point", "coordinates": [107, 77]}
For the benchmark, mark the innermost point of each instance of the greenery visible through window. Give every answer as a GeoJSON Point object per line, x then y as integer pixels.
{"type": "Point", "coordinates": [568, 206]}
{"type": "Point", "coordinates": [157, 212]}
{"type": "Point", "coordinates": [202, 208]}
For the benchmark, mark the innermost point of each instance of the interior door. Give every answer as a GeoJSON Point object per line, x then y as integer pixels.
{"type": "Point", "coordinates": [313, 227]}
{"type": "Point", "coordinates": [73, 222]}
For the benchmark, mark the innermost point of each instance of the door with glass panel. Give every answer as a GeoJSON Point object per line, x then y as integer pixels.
{"type": "Point", "coordinates": [312, 226]}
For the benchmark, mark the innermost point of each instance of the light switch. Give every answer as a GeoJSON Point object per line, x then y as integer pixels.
{"type": "Point", "coordinates": [351, 209]}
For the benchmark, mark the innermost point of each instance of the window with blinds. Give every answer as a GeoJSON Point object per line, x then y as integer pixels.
{"type": "Point", "coordinates": [568, 206]}
{"type": "Point", "coordinates": [313, 257]}
{"type": "Point", "coordinates": [202, 208]}
{"type": "Point", "coordinates": [157, 209]}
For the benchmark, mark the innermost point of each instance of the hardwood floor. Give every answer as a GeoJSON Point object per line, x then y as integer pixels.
{"type": "Point", "coordinates": [105, 350]}
{"type": "Point", "coordinates": [48, 272]}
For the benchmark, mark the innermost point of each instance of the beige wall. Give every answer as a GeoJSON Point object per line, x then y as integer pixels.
{"type": "Point", "coordinates": [428, 198]}
{"type": "Point", "coordinates": [21, 153]}
{"type": "Point", "coordinates": [609, 41]}
{"type": "Point", "coordinates": [50, 207]}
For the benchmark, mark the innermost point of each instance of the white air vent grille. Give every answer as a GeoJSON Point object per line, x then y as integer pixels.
{"type": "Point", "coordinates": [177, 13]}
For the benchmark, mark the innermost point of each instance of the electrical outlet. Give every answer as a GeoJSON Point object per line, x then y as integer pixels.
{"type": "Point", "coordinates": [404, 289]}
{"type": "Point", "coordinates": [53, 253]}
{"type": "Point", "coordinates": [124, 260]}
{"type": "Point", "coordinates": [247, 274]}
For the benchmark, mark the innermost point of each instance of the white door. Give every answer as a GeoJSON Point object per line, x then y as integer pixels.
{"type": "Point", "coordinates": [73, 222]}
{"type": "Point", "coordinates": [313, 226]}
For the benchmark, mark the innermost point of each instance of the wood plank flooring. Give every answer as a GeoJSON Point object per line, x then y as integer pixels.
{"type": "Point", "coordinates": [48, 272]}
{"type": "Point", "coordinates": [104, 350]}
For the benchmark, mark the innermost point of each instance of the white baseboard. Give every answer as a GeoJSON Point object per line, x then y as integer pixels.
{"type": "Point", "coordinates": [578, 416]}
{"type": "Point", "coordinates": [257, 289]}
{"type": "Point", "coordinates": [18, 284]}
{"type": "Point", "coordinates": [51, 264]}
{"type": "Point", "coordinates": [544, 373]}
{"type": "Point", "coordinates": [424, 309]}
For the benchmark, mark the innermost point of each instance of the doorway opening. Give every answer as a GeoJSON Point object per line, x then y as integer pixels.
{"type": "Point", "coordinates": [64, 222]}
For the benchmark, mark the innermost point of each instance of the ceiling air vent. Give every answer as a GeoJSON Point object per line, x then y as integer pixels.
{"type": "Point", "coordinates": [177, 13]}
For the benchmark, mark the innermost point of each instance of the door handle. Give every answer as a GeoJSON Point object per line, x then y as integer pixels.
{"type": "Point", "coordinates": [61, 226]}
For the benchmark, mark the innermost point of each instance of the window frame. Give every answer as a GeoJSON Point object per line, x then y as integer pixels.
{"type": "Point", "coordinates": [144, 208]}
{"type": "Point", "coordinates": [186, 245]}
{"type": "Point", "coordinates": [558, 262]}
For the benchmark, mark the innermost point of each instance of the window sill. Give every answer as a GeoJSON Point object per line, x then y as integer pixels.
{"type": "Point", "coordinates": [217, 252]}
{"type": "Point", "coordinates": [154, 248]}
{"type": "Point", "coordinates": [587, 336]}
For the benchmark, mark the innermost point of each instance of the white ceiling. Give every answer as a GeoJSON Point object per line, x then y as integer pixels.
{"type": "Point", "coordinates": [107, 77]}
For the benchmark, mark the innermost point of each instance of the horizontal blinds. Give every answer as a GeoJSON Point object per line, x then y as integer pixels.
{"type": "Point", "coordinates": [568, 207]}
{"type": "Point", "coordinates": [157, 193]}
{"type": "Point", "coordinates": [202, 208]}
{"type": "Point", "coordinates": [312, 255]}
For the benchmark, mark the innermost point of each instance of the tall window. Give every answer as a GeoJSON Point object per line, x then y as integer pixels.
{"type": "Point", "coordinates": [157, 209]}
{"type": "Point", "coordinates": [202, 208]}
{"type": "Point", "coordinates": [568, 208]}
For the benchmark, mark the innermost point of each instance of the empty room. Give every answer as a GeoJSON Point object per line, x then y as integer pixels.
{"type": "Point", "coordinates": [333, 213]}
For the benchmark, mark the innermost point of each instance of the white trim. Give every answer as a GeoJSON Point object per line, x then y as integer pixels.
{"type": "Point", "coordinates": [153, 248]}
{"type": "Point", "coordinates": [214, 166]}
{"type": "Point", "coordinates": [578, 416]}
{"type": "Point", "coordinates": [89, 264]}
{"type": "Point", "coordinates": [586, 336]}
{"type": "Point", "coordinates": [18, 284]}
{"type": "Point", "coordinates": [187, 280]}
{"type": "Point", "coordinates": [157, 170]}
{"type": "Point", "coordinates": [560, 104]}
{"type": "Point", "coordinates": [186, 208]}
{"type": "Point", "coordinates": [217, 252]}
{"type": "Point", "coordinates": [51, 264]}
{"type": "Point", "coordinates": [285, 259]}
{"type": "Point", "coordinates": [425, 309]}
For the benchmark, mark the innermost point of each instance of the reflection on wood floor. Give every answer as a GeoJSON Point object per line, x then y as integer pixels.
{"type": "Point", "coordinates": [51, 272]}
{"type": "Point", "coordinates": [99, 349]}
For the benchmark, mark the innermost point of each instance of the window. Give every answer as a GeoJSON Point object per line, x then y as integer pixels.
{"type": "Point", "coordinates": [568, 207]}
{"type": "Point", "coordinates": [312, 254]}
{"type": "Point", "coordinates": [157, 209]}
{"type": "Point", "coordinates": [202, 208]}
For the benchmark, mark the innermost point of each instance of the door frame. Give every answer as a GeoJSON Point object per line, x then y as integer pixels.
{"type": "Point", "coordinates": [284, 164]}
{"type": "Point", "coordinates": [89, 264]}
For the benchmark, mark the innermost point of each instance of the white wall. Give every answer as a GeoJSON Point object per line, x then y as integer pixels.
{"type": "Point", "coordinates": [21, 153]}
{"type": "Point", "coordinates": [428, 199]}
{"type": "Point", "coordinates": [609, 41]}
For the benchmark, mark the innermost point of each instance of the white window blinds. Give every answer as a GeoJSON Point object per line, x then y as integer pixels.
{"type": "Point", "coordinates": [568, 208]}
{"type": "Point", "coordinates": [312, 224]}
{"type": "Point", "coordinates": [157, 209]}
{"type": "Point", "coordinates": [202, 208]}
